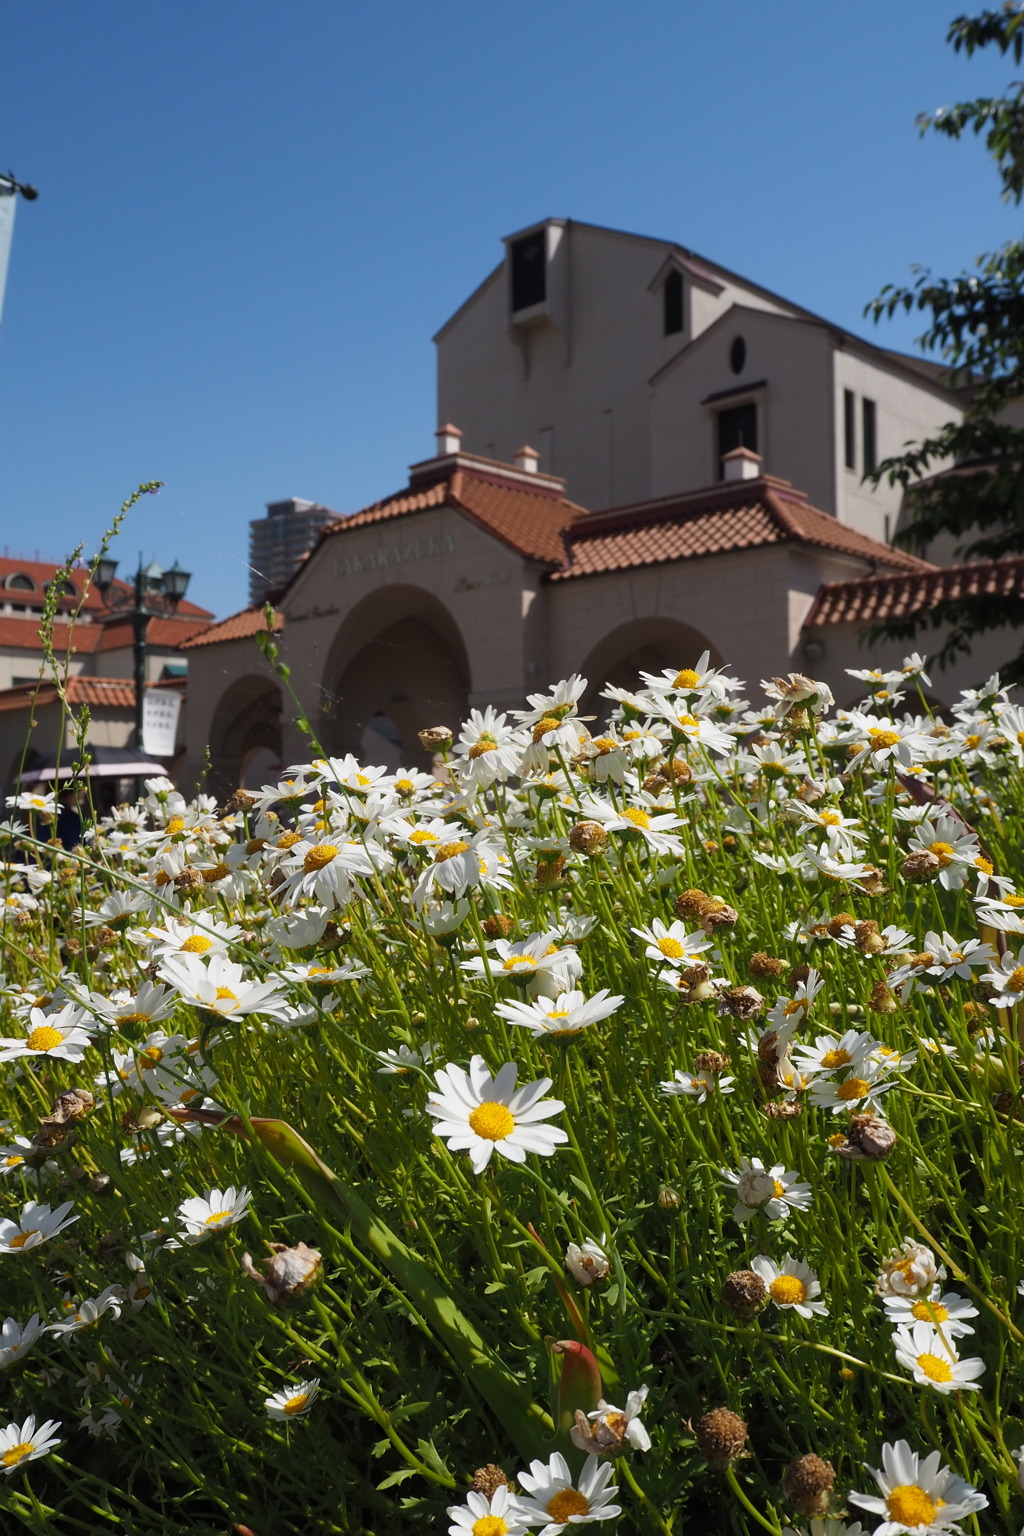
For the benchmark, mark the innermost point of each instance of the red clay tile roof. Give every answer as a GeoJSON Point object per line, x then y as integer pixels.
{"type": "Point", "coordinates": [23, 635]}
{"type": "Point", "coordinates": [237, 626]}
{"type": "Point", "coordinates": [747, 514]}
{"type": "Point", "coordinates": [874, 598]}
{"type": "Point", "coordinates": [42, 571]}
{"type": "Point", "coordinates": [167, 632]}
{"type": "Point", "coordinates": [529, 519]}
{"type": "Point", "coordinates": [114, 692]}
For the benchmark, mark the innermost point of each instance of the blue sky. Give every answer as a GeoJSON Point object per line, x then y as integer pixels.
{"type": "Point", "coordinates": [253, 216]}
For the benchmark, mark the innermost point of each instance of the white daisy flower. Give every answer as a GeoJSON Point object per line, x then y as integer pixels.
{"type": "Point", "coordinates": [24, 1442]}
{"type": "Point", "coordinates": [397, 1063]}
{"type": "Point", "coordinates": [564, 1015]}
{"type": "Point", "coordinates": [932, 1360]}
{"type": "Point", "coordinates": [292, 1402]}
{"type": "Point", "coordinates": [85, 1314]}
{"type": "Point", "coordinates": [522, 960]}
{"type": "Point", "coordinates": [587, 1262]}
{"type": "Point", "coordinates": [481, 1114]}
{"type": "Point", "coordinates": [698, 1085]}
{"type": "Point", "coordinates": [50, 1034]}
{"type": "Point", "coordinates": [946, 1311]}
{"type": "Point", "coordinates": [830, 1053]}
{"type": "Point", "coordinates": [863, 1086]}
{"type": "Point", "coordinates": [205, 1214]}
{"type": "Point", "coordinates": [220, 986]}
{"type": "Point", "coordinates": [828, 1527]}
{"type": "Point", "coordinates": [673, 943]}
{"type": "Point", "coordinates": [772, 1190]}
{"type": "Point", "coordinates": [1007, 979]}
{"type": "Point", "coordinates": [498, 1515]}
{"type": "Point", "coordinates": [36, 1224]}
{"type": "Point", "coordinates": [189, 935]}
{"type": "Point", "coordinates": [16, 1339]}
{"type": "Point", "coordinates": [791, 1284]}
{"type": "Point", "coordinates": [910, 1270]}
{"type": "Point", "coordinates": [555, 1502]}
{"type": "Point", "coordinates": [13, 1156]}
{"type": "Point", "coordinates": [608, 1430]}
{"type": "Point", "coordinates": [919, 1496]}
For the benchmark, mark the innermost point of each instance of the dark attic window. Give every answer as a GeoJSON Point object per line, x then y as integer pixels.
{"type": "Point", "coordinates": [672, 296]}
{"type": "Point", "coordinates": [529, 271]}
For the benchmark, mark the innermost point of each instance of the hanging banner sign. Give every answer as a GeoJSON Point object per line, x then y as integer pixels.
{"type": "Point", "coordinates": [160, 710]}
{"type": "Point", "coordinates": [7, 201]}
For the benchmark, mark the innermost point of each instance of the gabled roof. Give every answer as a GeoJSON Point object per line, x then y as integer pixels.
{"type": "Point", "coordinates": [111, 692]}
{"type": "Point", "coordinates": [874, 598]}
{"type": "Point", "coordinates": [747, 514]}
{"type": "Point", "coordinates": [527, 512]}
{"type": "Point", "coordinates": [85, 637]}
{"type": "Point", "coordinates": [42, 571]}
{"type": "Point", "coordinates": [237, 626]}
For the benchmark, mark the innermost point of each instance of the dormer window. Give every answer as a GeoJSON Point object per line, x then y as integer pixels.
{"type": "Point", "coordinates": [672, 302]}
{"type": "Point", "coordinates": [19, 582]}
{"type": "Point", "coordinates": [528, 264]}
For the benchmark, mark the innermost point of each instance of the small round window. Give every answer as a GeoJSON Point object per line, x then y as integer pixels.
{"type": "Point", "coordinates": [738, 355]}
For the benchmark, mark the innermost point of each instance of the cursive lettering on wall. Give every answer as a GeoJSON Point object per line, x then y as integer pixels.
{"type": "Point", "coordinates": [495, 579]}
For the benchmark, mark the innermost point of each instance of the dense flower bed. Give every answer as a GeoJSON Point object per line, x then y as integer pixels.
{"type": "Point", "coordinates": [616, 1128]}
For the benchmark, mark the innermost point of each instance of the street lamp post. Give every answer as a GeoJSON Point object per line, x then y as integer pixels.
{"type": "Point", "coordinates": [153, 593]}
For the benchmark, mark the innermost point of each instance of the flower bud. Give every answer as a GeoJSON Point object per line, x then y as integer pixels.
{"type": "Point", "coordinates": [668, 1198]}
{"type": "Point", "coordinates": [807, 1484]}
{"type": "Point", "coordinates": [588, 837]}
{"type": "Point", "coordinates": [721, 1436]}
{"type": "Point", "coordinates": [587, 1263]}
{"type": "Point", "coordinates": [289, 1274]}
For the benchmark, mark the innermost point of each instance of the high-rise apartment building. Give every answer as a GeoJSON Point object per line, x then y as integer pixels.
{"type": "Point", "coordinates": [278, 541]}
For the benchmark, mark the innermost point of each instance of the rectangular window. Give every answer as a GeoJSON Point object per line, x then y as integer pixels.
{"type": "Point", "coordinates": [528, 261]}
{"type": "Point", "coordinates": [869, 429]}
{"type": "Point", "coordinates": [736, 428]}
{"type": "Point", "coordinates": [849, 429]}
{"type": "Point", "coordinates": [672, 295]}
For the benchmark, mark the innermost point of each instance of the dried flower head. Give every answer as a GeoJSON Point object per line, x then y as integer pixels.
{"type": "Point", "coordinates": [910, 1270]}
{"type": "Point", "coordinates": [498, 926]}
{"type": "Point", "coordinates": [765, 967]}
{"type": "Point", "coordinates": [693, 904]}
{"type": "Point", "coordinates": [711, 1061]}
{"type": "Point", "coordinates": [721, 1436]}
{"type": "Point", "coordinates": [436, 738]}
{"type": "Point", "coordinates": [743, 1293]}
{"type": "Point", "coordinates": [807, 1484]}
{"type": "Point", "coordinates": [487, 1480]}
{"type": "Point", "coordinates": [783, 1109]}
{"type": "Point", "coordinates": [289, 1274]}
{"type": "Point", "coordinates": [868, 1136]}
{"type": "Point", "coordinates": [588, 837]}
{"type": "Point", "coordinates": [920, 866]}
{"type": "Point", "coordinates": [744, 1003]}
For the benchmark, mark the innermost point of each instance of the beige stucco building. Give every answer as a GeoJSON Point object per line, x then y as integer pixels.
{"type": "Point", "coordinates": [694, 482]}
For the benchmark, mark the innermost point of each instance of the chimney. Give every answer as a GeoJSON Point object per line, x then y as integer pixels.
{"type": "Point", "coordinates": [527, 459]}
{"type": "Point", "coordinates": [449, 440]}
{"type": "Point", "coordinates": [741, 464]}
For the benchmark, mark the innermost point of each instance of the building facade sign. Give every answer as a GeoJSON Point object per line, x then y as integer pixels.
{"type": "Point", "coordinates": [408, 552]}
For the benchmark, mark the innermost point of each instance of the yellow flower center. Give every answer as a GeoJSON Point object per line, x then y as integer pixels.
{"type": "Point", "coordinates": [317, 857]}
{"type": "Point", "coordinates": [485, 744]}
{"type": "Point", "coordinates": [13, 1161]}
{"type": "Point", "coordinates": [836, 1058]}
{"type": "Point", "coordinates": [132, 1018]}
{"type": "Point", "coordinates": [780, 1189]}
{"type": "Point", "coordinates": [492, 1121]}
{"type": "Point", "coordinates": [44, 1037]}
{"type": "Point", "coordinates": [175, 825]}
{"type": "Point", "coordinates": [421, 835]}
{"type": "Point", "coordinates": [225, 994]}
{"type": "Point", "coordinates": [152, 1053]}
{"type": "Point", "coordinates": [687, 678]}
{"type": "Point", "coordinates": [910, 1505]}
{"type": "Point", "coordinates": [404, 786]}
{"type": "Point", "coordinates": [255, 845]}
{"type": "Point", "coordinates": [1015, 983]}
{"type": "Point", "coordinates": [605, 744]}
{"type": "Point", "coordinates": [830, 819]}
{"type": "Point", "coordinates": [881, 739]}
{"type": "Point", "coordinates": [519, 963]}
{"type": "Point", "coordinates": [1014, 901]}
{"type": "Point", "coordinates": [853, 1088]}
{"type": "Point", "coordinates": [549, 723]}
{"type": "Point", "coordinates": [488, 1525]}
{"type": "Point", "coordinates": [935, 1368]}
{"type": "Point", "coordinates": [297, 1403]}
{"type": "Point", "coordinates": [288, 840]}
{"type": "Point", "coordinates": [943, 852]}
{"type": "Point", "coordinates": [215, 1217]}
{"type": "Point", "coordinates": [671, 947]}
{"type": "Point", "coordinates": [17, 1453]}
{"type": "Point", "coordinates": [985, 865]}
{"type": "Point", "coordinates": [198, 944]}
{"type": "Point", "coordinates": [569, 1501]}
{"type": "Point", "coordinates": [216, 872]}
{"type": "Point", "coordinates": [787, 1290]}
{"type": "Point", "coordinates": [636, 815]}
{"type": "Point", "coordinates": [930, 1311]}
{"type": "Point", "coordinates": [450, 851]}
{"type": "Point", "coordinates": [21, 1238]}
{"type": "Point", "coordinates": [688, 722]}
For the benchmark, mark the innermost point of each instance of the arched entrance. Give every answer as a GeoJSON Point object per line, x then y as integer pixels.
{"type": "Point", "coordinates": [245, 738]}
{"type": "Point", "coordinates": [398, 664]}
{"type": "Point", "coordinates": [642, 645]}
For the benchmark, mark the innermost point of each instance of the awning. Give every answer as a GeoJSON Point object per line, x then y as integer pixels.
{"type": "Point", "coordinates": [105, 763]}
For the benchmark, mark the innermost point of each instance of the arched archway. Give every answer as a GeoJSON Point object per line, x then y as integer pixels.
{"type": "Point", "coordinates": [642, 645]}
{"type": "Point", "coordinates": [245, 735]}
{"type": "Point", "coordinates": [397, 665]}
